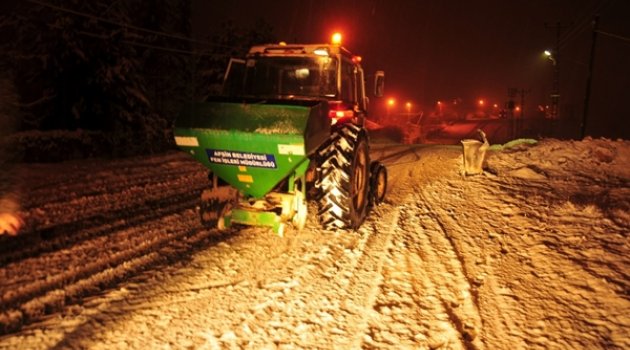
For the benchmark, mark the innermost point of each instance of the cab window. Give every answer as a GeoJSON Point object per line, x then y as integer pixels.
{"type": "Point", "coordinates": [348, 82]}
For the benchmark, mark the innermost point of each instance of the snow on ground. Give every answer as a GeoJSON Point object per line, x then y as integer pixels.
{"type": "Point", "coordinates": [533, 253]}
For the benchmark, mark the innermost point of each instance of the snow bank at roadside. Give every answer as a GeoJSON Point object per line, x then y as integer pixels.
{"type": "Point", "coordinates": [590, 171]}
{"type": "Point", "coordinates": [599, 158]}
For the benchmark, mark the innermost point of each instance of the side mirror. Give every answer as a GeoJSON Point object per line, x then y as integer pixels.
{"type": "Point", "coordinates": [379, 83]}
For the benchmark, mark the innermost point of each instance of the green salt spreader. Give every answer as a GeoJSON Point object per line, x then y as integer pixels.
{"type": "Point", "coordinates": [285, 129]}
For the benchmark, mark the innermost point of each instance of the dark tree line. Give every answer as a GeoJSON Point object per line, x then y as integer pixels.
{"type": "Point", "coordinates": [109, 77]}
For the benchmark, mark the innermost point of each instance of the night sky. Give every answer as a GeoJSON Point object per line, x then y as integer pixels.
{"type": "Point", "coordinates": [467, 50]}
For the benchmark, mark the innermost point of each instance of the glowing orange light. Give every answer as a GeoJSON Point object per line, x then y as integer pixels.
{"type": "Point", "coordinates": [481, 102]}
{"type": "Point", "coordinates": [495, 105]}
{"type": "Point", "coordinates": [391, 102]}
{"type": "Point", "coordinates": [408, 104]}
{"type": "Point", "coordinates": [517, 108]}
{"type": "Point", "coordinates": [336, 38]}
{"type": "Point", "coordinates": [321, 51]}
{"type": "Point", "coordinates": [336, 115]}
{"type": "Point", "coordinates": [283, 43]}
{"type": "Point", "coordinates": [439, 102]}
{"type": "Point", "coordinates": [356, 59]}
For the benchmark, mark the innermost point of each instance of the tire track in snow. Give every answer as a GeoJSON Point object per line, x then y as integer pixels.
{"type": "Point", "coordinates": [97, 235]}
{"type": "Point", "coordinates": [440, 280]}
{"type": "Point", "coordinates": [84, 177]}
{"type": "Point", "coordinates": [91, 184]}
{"type": "Point", "coordinates": [29, 300]}
{"type": "Point", "coordinates": [496, 328]}
{"type": "Point", "coordinates": [296, 298]}
{"type": "Point", "coordinates": [362, 291]}
{"type": "Point", "coordinates": [401, 314]}
{"type": "Point", "coordinates": [322, 303]}
{"type": "Point", "coordinates": [53, 214]}
{"type": "Point", "coordinates": [405, 311]}
{"type": "Point", "coordinates": [548, 275]}
{"type": "Point", "coordinates": [67, 235]}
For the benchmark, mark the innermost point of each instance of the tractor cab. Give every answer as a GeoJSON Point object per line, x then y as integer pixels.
{"type": "Point", "coordinates": [325, 72]}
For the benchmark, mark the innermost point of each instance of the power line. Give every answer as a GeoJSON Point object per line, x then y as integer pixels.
{"type": "Point", "coordinates": [613, 35]}
{"type": "Point", "coordinates": [576, 27]}
{"type": "Point", "coordinates": [574, 33]}
{"type": "Point", "coordinates": [584, 22]}
{"type": "Point", "coordinates": [140, 29]}
{"type": "Point", "coordinates": [135, 43]}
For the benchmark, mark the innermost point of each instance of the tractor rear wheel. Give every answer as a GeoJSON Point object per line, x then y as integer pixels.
{"type": "Point", "coordinates": [343, 181]}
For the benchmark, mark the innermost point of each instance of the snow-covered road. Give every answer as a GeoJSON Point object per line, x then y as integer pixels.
{"type": "Point", "coordinates": [531, 254]}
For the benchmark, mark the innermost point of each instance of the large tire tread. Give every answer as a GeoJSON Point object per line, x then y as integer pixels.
{"type": "Point", "coordinates": [338, 206]}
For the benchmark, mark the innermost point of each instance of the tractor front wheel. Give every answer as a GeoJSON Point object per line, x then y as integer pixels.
{"type": "Point", "coordinates": [378, 183]}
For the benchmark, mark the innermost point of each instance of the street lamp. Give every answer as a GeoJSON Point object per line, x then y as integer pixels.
{"type": "Point", "coordinates": [390, 103]}
{"type": "Point", "coordinates": [408, 107]}
{"type": "Point", "coordinates": [555, 94]}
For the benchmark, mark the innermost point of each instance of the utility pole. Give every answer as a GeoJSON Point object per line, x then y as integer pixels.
{"type": "Point", "coordinates": [555, 93]}
{"type": "Point", "coordinates": [589, 77]}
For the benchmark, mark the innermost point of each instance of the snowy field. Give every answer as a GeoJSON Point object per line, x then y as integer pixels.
{"type": "Point", "coordinates": [531, 254]}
